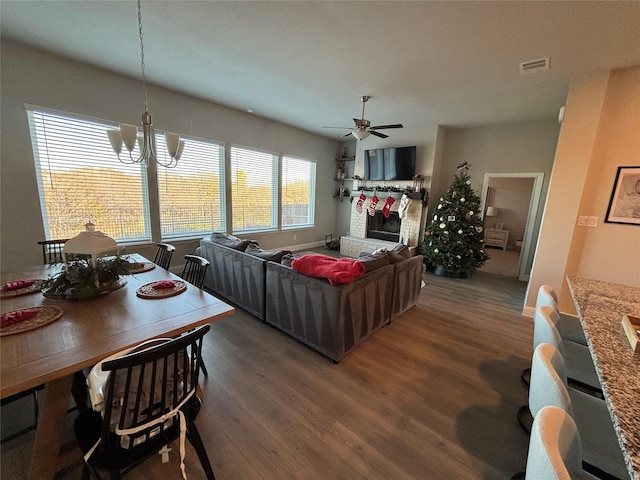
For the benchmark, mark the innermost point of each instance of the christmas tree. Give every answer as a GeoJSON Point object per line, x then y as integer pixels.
{"type": "Point", "coordinates": [453, 241]}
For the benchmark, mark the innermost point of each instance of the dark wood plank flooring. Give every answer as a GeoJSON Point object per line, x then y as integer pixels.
{"type": "Point", "coordinates": [431, 396]}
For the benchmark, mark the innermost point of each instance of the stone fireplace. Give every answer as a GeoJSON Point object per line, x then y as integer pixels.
{"type": "Point", "coordinates": [365, 228]}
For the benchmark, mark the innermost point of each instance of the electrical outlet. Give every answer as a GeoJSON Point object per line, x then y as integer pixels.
{"type": "Point", "coordinates": [295, 237]}
{"type": "Point", "coordinates": [585, 221]}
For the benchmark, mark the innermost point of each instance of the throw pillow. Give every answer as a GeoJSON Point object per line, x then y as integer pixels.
{"type": "Point", "coordinates": [399, 252]}
{"type": "Point", "coordinates": [373, 261]}
{"type": "Point", "coordinates": [273, 256]}
{"type": "Point", "coordinates": [230, 241]}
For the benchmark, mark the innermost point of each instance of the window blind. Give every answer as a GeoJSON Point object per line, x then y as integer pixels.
{"type": "Point", "coordinates": [298, 192]}
{"type": "Point", "coordinates": [254, 181]}
{"type": "Point", "coordinates": [80, 179]}
{"type": "Point", "coordinates": [191, 194]}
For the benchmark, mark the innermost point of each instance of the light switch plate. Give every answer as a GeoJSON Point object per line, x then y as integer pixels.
{"type": "Point", "coordinates": [585, 221]}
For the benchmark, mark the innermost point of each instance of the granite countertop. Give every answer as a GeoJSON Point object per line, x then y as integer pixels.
{"type": "Point", "coordinates": [600, 306]}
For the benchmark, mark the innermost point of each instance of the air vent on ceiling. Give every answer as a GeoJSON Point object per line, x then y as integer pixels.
{"type": "Point", "coordinates": [534, 66]}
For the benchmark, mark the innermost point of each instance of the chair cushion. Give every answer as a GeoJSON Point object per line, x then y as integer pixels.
{"type": "Point", "coordinates": [230, 241]}
{"type": "Point", "coordinates": [273, 256]}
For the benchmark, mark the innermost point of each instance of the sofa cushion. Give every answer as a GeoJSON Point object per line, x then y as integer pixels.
{"type": "Point", "coordinates": [230, 241]}
{"type": "Point", "coordinates": [373, 261]}
{"type": "Point", "coordinates": [398, 253]}
{"type": "Point", "coordinates": [273, 256]}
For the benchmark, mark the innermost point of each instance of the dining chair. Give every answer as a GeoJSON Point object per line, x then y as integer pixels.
{"type": "Point", "coordinates": [579, 363]}
{"type": "Point", "coordinates": [555, 448]}
{"type": "Point", "coordinates": [52, 250]}
{"type": "Point", "coordinates": [163, 255]}
{"type": "Point", "coordinates": [194, 270]}
{"type": "Point", "coordinates": [602, 454]}
{"type": "Point", "coordinates": [569, 326]}
{"type": "Point", "coordinates": [142, 401]}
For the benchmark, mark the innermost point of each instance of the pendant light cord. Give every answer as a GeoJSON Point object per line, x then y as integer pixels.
{"type": "Point", "coordinates": [144, 76]}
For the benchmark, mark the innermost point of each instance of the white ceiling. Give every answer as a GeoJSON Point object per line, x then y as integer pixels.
{"type": "Point", "coordinates": [307, 63]}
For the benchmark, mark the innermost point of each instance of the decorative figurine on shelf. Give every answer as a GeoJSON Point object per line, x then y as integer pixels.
{"type": "Point", "coordinates": [418, 183]}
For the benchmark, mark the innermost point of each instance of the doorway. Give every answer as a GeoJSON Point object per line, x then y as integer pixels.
{"type": "Point", "coordinates": [514, 199]}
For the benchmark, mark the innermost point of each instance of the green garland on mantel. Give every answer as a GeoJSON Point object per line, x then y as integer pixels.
{"type": "Point", "coordinates": [78, 281]}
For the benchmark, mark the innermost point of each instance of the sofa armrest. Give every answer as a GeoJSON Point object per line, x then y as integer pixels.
{"type": "Point", "coordinates": [407, 282]}
{"type": "Point", "coordinates": [236, 276]}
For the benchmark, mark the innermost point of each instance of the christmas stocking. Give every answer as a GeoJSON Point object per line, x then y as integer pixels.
{"type": "Point", "coordinates": [360, 202]}
{"type": "Point", "coordinates": [372, 205]}
{"type": "Point", "coordinates": [387, 206]}
{"type": "Point", "coordinates": [404, 204]}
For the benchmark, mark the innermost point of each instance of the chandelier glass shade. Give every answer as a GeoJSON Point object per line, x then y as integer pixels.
{"type": "Point", "coordinates": [127, 135]}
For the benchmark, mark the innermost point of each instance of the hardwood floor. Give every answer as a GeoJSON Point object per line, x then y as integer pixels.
{"type": "Point", "coordinates": [431, 396]}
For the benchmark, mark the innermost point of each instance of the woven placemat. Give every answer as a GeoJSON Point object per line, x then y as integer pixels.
{"type": "Point", "coordinates": [147, 290]}
{"type": "Point", "coordinates": [33, 288]}
{"type": "Point", "coordinates": [140, 267]}
{"type": "Point", "coordinates": [45, 316]}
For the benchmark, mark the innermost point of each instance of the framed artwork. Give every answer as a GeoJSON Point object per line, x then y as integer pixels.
{"type": "Point", "coordinates": [499, 226]}
{"type": "Point", "coordinates": [624, 205]}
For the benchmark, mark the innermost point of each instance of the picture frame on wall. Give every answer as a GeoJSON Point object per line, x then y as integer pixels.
{"type": "Point", "coordinates": [624, 204]}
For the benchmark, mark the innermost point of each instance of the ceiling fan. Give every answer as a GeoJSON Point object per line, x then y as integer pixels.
{"type": "Point", "coordinates": [363, 127]}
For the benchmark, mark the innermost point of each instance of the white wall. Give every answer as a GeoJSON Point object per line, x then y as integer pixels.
{"type": "Point", "coordinates": [600, 132]}
{"type": "Point", "coordinates": [33, 77]}
{"type": "Point", "coordinates": [527, 147]}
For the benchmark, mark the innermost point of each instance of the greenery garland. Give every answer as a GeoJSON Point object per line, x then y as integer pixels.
{"type": "Point", "coordinates": [78, 281]}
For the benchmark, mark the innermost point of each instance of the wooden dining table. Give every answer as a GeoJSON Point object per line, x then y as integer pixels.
{"type": "Point", "coordinates": [600, 306]}
{"type": "Point", "coordinates": [87, 332]}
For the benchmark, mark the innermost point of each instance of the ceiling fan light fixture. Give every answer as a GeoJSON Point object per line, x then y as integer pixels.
{"type": "Point", "coordinates": [360, 134]}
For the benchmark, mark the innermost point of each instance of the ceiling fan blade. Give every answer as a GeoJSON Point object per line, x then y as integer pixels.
{"type": "Point", "coordinates": [341, 128]}
{"type": "Point", "coordinates": [346, 134]}
{"type": "Point", "coordinates": [380, 127]}
{"type": "Point", "coordinates": [378, 134]}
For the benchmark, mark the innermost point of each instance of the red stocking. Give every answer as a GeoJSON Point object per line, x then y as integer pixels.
{"type": "Point", "coordinates": [360, 202]}
{"type": "Point", "coordinates": [372, 205]}
{"type": "Point", "coordinates": [387, 206]}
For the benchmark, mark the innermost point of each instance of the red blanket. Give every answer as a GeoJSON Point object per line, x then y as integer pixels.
{"type": "Point", "coordinates": [336, 270]}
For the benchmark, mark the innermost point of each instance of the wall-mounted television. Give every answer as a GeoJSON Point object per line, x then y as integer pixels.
{"type": "Point", "coordinates": [390, 163]}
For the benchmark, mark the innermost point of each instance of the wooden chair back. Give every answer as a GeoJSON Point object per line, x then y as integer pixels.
{"type": "Point", "coordinates": [52, 250]}
{"type": "Point", "coordinates": [194, 270]}
{"type": "Point", "coordinates": [163, 255]}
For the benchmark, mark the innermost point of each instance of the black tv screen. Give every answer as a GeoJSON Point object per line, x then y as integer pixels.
{"type": "Point", "coordinates": [390, 163]}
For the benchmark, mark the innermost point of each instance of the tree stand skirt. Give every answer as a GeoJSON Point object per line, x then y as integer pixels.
{"type": "Point", "coordinates": [443, 272]}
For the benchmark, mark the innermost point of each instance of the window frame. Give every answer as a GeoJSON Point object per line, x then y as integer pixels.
{"type": "Point", "coordinates": [311, 206]}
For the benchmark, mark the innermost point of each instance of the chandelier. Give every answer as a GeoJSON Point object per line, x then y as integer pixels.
{"type": "Point", "coordinates": [128, 134]}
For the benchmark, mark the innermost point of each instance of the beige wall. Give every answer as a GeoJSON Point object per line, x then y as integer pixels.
{"type": "Point", "coordinates": [601, 131]}
{"type": "Point", "coordinates": [34, 77]}
{"type": "Point", "coordinates": [520, 148]}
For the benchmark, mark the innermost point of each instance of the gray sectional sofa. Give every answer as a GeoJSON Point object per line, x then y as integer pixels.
{"type": "Point", "coordinates": [332, 319]}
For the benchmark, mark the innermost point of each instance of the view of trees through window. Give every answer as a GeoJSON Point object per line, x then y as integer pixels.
{"type": "Point", "coordinates": [80, 180]}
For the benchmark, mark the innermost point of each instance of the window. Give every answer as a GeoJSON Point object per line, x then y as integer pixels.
{"type": "Point", "coordinates": [254, 180]}
{"type": "Point", "coordinates": [80, 179]}
{"type": "Point", "coordinates": [298, 192]}
{"type": "Point", "coordinates": [191, 194]}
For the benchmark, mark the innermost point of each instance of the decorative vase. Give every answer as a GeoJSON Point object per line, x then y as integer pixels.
{"type": "Point", "coordinates": [443, 272]}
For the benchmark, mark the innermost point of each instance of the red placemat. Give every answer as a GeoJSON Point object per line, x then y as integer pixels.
{"type": "Point", "coordinates": [43, 316]}
{"type": "Point", "coordinates": [33, 288]}
{"type": "Point", "coordinates": [147, 290]}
